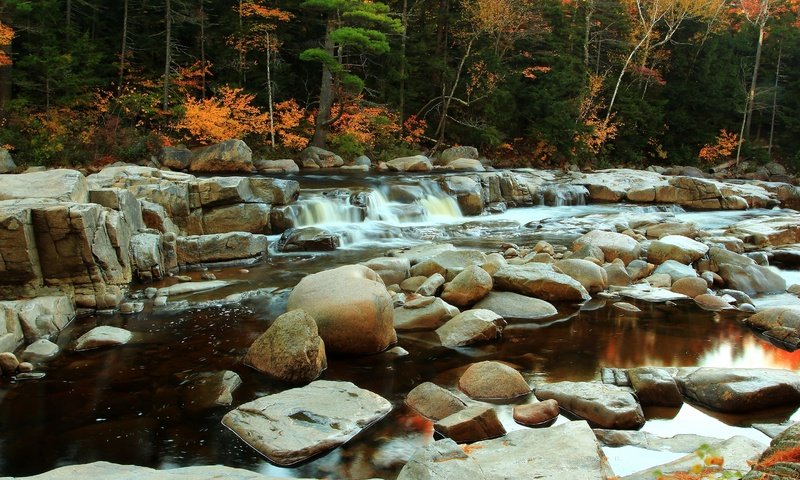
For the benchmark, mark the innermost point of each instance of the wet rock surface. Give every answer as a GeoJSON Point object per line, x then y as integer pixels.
{"type": "Point", "coordinates": [740, 390]}
{"type": "Point", "coordinates": [296, 424]}
{"type": "Point", "coordinates": [605, 406]}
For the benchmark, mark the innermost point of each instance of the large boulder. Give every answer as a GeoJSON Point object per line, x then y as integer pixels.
{"type": "Point", "coordinates": [451, 154]}
{"type": "Point", "coordinates": [740, 390]}
{"type": "Point", "coordinates": [564, 451]}
{"type": "Point", "coordinates": [352, 308]}
{"type": "Point", "coordinates": [7, 164]}
{"type": "Point", "coordinates": [308, 239]}
{"type": "Point", "coordinates": [290, 350]}
{"type": "Point", "coordinates": [432, 401]}
{"type": "Point", "coordinates": [34, 319]}
{"type": "Point", "coordinates": [540, 281]}
{"type": "Point", "coordinates": [605, 406]}
{"type": "Point", "coordinates": [102, 336]}
{"type": "Point", "coordinates": [468, 287]}
{"type": "Point", "coordinates": [62, 185]}
{"type": "Point", "coordinates": [274, 191]}
{"type": "Point", "coordinates": [675, 247]}
{"type": "Point", "coordinates": [492, 381]}
{"type": "Point", "coordinates": [781, 323]}
{"type": "Point", "coordinates": [241, 217]}
{"type": "Point", "coordinates": [614, 245]}
{"type": "Point", "coordinates": [224, 247]}
{"type": "Point", "coordinates": [113, 470]}
{"type": "Point", "coordinates": [316, 157]}
{"type": "Point", "coordinates": [592, 276]}
{"type": "Point", "coordinates": [392, 270]}
{"type": "Point", "coordinates": [297, 424]}
{"type": "Point", "coordinates": [228, 156]}
{"type": "Point", "coordinates": [513, 306]}
{"type": "Point", "coordinates": [466, 165]}
{"type": "Point", "coordinates": [276, 166]}
{"type": "Point", "coordinates": [655, 386]}
{"type": "Point", "coordinates": [417, 163]}
{"type": "Point", "coordinates": [676, 270]}
{"type": "Point", "coordinates": [448, 263]}
{"type": "Point", "coordinates": [468, 192]}
{"type": "Point", "coordinates": [176, 158]}
{"type": "Point", "coordinates": [472, 326]}
{"type": "Point", "coordinates": [752, 279]}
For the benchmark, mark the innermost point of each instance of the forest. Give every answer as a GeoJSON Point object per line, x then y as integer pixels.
{"type": "Point", "coordinates": [541, 83]}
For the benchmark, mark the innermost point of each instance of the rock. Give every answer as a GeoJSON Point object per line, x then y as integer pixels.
{"type": "Point", "coordinates": [471, 424]}
{"type": "Point", "coordinates": [752, 279]}
{"type": "Point", "coordinates": [671, 228]}
{"type": "Point", "coordinates": [468, 287]}
{"type": "Point", "coordinates": [655, 386]}
{"type": "Point", "coordinates": [593, 277]}
{"type": "Point", "coordinates": [781, 323]}
{"type": "Point", "coordinates": [468, 192]}
{"type": "Point", "coordinates": [448, 263]}
{"type": "Point", "coordinates": [228, 156]}
{"type": "Point", "coordinates": [276, 166]}
{"type": "Point", "coordinates": [315, 157]}
{"type": "Point", "coordinates": [539, 414]}
{"type": "Point", "coordinates": [391, 269]}
{"type": "Point", "coordinates": [675, 247]}
{"type": "Point", "coordinates": [40, 350]}
{"type": "Point", "coordinates": [132, 472]}
{"type": "Point", "coordinates": [675, 270]}
{"type": "Point", "coordinates": [308, 239]}
{"type": "Point", "coordinates": [221, 247]}
{"type": "Point", "coordinates": [740, 390]}
{"type": "Point", "coordinates": [779, 461]}
{"type": "Point", "coordinates": [425, 252]}
{"type": "Point", "coordinates": [626, 307]}
{"type": "Point", "coordinates": [191, 287]}
{"type": "Point", "coordinates": [617, 275]}
{"type": "Point", "coordinates": [770, 230]}
{"type": "Point", "coordinates": [639, 269]}
{"type": "Point", "coordinates": [431, 285]}
{"type": "Point", "coordinates": [102, 336]}
{"type": "Point", "coordinates": [8, 363]}
{"type": "Point", "coordinates": [712, 302]}
{"type": "Point", "coordinates": [41, 317]}
{"type": "Point", "coordinates": [472, 326]}
{"type": "Point", "coordinates": [7, 164]}
{"type": "Point", "coordinates": [297, 424]}
{"type": "Point", "coordinates": [737, 453]}
{"type": "Point", "coordinates": [543, 454]}
{"type": "Point", "coordinates": [290, 350]}
{"type": "Point", "coordinates": [27, 368]}
{"type": "Point", "coordinates": [646, 293]}
{"type": "Point", "coordinates": [411, 317]}
{"type": "Point", "coordinates": [62, 185]}
{"type": "Point", "coordinates": [175, 158]}
{"type": "Point", "coordinates": [351, 307]}
{"type": "Point", "coordinates": [417, 163]}
{"type": "Point", "coordinates": [466, 165]}
{"type": "Point", "coordinates": [513, 306]}
{"type": "Point", "coordinates": [614, 245]}
{"type": "Point", "coordinates": [206, 390]}
{"type": "Point", "coordinates": [433, 401]}
{"type": "Point", "coordinates": [453, 153]}
{"type": "Point", "coordinates": [605, 406]}
{"type": "Point", "coordinates": [540, 281]}
{"type": "Point", "coordinates": [492, 380]}
{"type": "Point", "coordinates": [690, 286]}
{"type": "Point", "coordinates": [412, 284]}
{"type": "Point", "coordinates": [130, 308]}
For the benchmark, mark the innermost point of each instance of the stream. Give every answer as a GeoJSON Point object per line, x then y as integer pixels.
{"type": "Point", "coordinates": [130, 404]}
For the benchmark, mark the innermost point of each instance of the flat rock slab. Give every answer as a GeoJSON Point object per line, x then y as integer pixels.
{"type": "Point", "coordinates": [102, 336]}
{"type": "Point", "coordinates": [297, 424]}
{"type": "Point", "coordinates": [646, 293]}
{"type": "Point", "coordinates": [736, 451]}
{"type": "Point", "coordinates": [133, 472]}
{"type": "Point", "coordinates": [606, 406]}
{"type": "Point", "coordinates": [569, 451]}
{"type": "Point", "coordinates": [191, 287]}
{"type": "Point", "coordinates": [513, 306]}
{"type": "Point", "coordinates": [740, 389]}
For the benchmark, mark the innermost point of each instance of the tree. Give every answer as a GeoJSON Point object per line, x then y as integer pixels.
{"type": "Point", "coordinates": [353, 29]}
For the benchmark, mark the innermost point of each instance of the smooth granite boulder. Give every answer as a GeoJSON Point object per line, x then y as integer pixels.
{"type": "Point", "coordinates": [605, 406]}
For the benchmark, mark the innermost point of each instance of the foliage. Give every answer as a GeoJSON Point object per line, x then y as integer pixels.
{"type": "Point", "coordinates": [229, 114]}
{"type": "Point", "coordinates": [721, 150]}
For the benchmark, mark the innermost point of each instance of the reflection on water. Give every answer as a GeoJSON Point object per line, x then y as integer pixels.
{"type": "Point", "coordinates": [129, 404]}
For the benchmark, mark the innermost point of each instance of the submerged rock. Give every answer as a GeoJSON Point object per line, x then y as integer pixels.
{"type": "Point", "coordinates": [210, 389]}
{"type": "Point", "coordinates": [297, 424]}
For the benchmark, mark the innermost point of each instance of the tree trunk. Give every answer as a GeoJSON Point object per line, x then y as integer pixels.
{"type": "Point", "coordinates": [69, 16]}
{"type": "Point", "coordinates": [168, 59]}
{"type": "Point", "coordinates": [587, 34]}
{"type": "Point", "coordinates": [5, 80]}
{"type": "Point", "coordinates": [774, 102]}
{"type": "Point", "coordinates": [622, 73]}
{"type": "Point", "coordinates": [446, 101]}
{"type": "Point", "coordinates": [751, 94]}
{"type": "Point", "coordinates": [403, 39]}
{"type": "Point", "coordinates": [202, 50]}
{"type": "Point", "coordinates": [326, 94]}
{"type": "Point", "coordinates": [124, 50]}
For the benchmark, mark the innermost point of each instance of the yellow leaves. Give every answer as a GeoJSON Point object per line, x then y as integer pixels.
{"type": "Point", "coordinates": [6, 35]}
{"type": "Point", "coordinates": [230, 114]}
{"type": "Point", "coordinates": [288, 119]}
{"type": "Point", "coordinates": [726, 143]}
{"type": "Point", "coordinates": [531, 72]}
{"type": "Point", "coordinates": [600, 130]}
{"type": "Point", "coordinates": [255, 9]}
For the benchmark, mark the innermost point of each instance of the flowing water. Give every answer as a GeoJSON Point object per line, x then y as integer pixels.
{"type": "Point", "coordinates": [132, 404]}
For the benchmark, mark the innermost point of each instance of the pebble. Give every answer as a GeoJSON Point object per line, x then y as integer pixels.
{"type": "Point", "coordinates": [208, 276]}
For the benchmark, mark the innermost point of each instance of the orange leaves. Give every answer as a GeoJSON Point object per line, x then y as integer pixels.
{"type": "Point", "coordinates": [288, 120]}
{"type": "Point", "coordinates": [6, 35]}
{"type": "Point", "coordinates": [531, 72]}
{"type": "Point", "coordinates": [191, 77]}
{"type": "Point", "coordinates": [723, 148]}
{"type": "Point", "coordinates": [230, 114]}
{"type": "Point", "coordinates": [254, 9]}
{"type": "Point", "coordinates": [600, 130]}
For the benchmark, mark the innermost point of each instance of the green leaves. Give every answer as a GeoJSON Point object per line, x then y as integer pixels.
{"type": "Point", "coordinates": [371, 41]}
